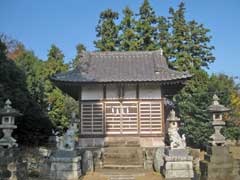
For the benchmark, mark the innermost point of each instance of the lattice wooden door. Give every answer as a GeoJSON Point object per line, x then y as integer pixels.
{"type": "Point", "coordinates": [150, 117]}
{"type": "Point", "coordinates": [121, 118]}
{"type": "Point", "coordinates": [92, 118]}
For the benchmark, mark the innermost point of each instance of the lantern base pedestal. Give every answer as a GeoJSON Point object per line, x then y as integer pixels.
{"type": "Point", "coordinates": [219, 164]}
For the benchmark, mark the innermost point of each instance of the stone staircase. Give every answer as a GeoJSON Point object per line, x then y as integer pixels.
{"type": "Point", "coordinates": [123, 153]}
{"type": "Point", "coordinates": [122, 159]}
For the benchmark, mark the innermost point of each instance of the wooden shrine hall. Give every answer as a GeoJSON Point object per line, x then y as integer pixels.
{"type": "Point", "coordinates": [121, 94]}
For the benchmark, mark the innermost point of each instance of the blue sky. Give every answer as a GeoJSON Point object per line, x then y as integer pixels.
{"type": "Point", "coordinates": [38, 24]}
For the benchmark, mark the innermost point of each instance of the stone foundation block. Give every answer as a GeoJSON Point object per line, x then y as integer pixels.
{"type": "Point", "coordinates": [219, 165]}
{"type": "Point", "coordinates": [65, 167]}
{"type": "Point", "coordinates": [178, 174]}
{"type": "Point", "coordinates": [179, 165]}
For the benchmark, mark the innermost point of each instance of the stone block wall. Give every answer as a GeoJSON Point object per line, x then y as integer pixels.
{"type": "Point", "coordinates": [12, 165]}
{"type": "Point", "coordinates": [23, 163]}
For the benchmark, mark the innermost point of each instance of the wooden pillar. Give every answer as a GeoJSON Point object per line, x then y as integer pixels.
{"type": "Point", "coordinates": [138, 116]}
{"type": "Point", "coordinates": [104, 108]}
{"type": "Point", "coordinates": [80, 109]}
{"type": "Point", "coordinates": [137, 91]}
{"type": "Point", "coordinates": [104, 91]}
{"type": "Point", "coordinates": [163, 118]}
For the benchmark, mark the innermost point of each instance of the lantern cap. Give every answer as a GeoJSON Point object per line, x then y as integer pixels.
{"type": "Point", "coordinates": [8, 110]}
{"type": "Point", "coordinates": [216, 106]}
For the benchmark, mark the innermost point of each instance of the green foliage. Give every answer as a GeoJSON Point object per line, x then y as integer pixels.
{"type": "Point", "coordinates": [189, 42]}
{"type": "Point", "coordinates": [33, 69]}
{"type": "Point", "coordinates": [128, 37]}
{"type": "Point", "coordinates": [107, 31]}
{"type": "Point", "coordinates": [232, 132]}
{"type": "Point", "coordinates": [3, 50]}
{"type": "Point", "coordinates": [33, 126]}
{"type": "Point", "coordinates": [54, 97]}
{"type": "Point", "coordinates": [145, 27]}
{"type": "Point", "coordinates": [164, 35]}
{"type": "Point", "coordinates": [55, 54]}
{"type": "Point", "coordinates": [11, 45]}
{"type": "Point", "coordinates": [54, 64]}
{"type": "Point", "coordinates": [223, 86]}
{"type": "Point", "coordinates": [56, 108]}
{"type": "Point", "coordinates": [185, 43]}
{"type": "Point", "coordinates": [70, 105]}
{"type": "Point", "coordinates": [80, 49]}
{"type": "Point", "coordinates": [192, 103]}
{"type": "Point", "coordinates": [43, 105]}
{"type": "Point", "coordinates": [235, 104]}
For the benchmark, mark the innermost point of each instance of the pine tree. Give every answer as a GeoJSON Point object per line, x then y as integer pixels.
{"type": "Point", "coordinates": [55, 62]}
{"type": "Point", "coordinates": [199, 48]}
{"type": "Point", "coordinates": [54, 97]}
{"type": "Point", "coordinates": [107, 31]}
{"type": "Point", "coordinates": [55, 54]}
{"type": "Point", "coordinates": [146, 27]}
{"type": "Point", "coordinates": [80, 48]}
{"type": "Point", "coordinates": [189, 42]}
{"type": "Point", "coordinates": [191, 103]}
{"type": "Point", "coordinates": [179, 39]}
{"type": "Point", "coordinates": [164, 35]}
{"type": "Point", "coordinates": [128, 36]}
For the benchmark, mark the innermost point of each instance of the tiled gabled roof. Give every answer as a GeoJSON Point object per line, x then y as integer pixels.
{"type": "Point", "coordinates": [107, 67]}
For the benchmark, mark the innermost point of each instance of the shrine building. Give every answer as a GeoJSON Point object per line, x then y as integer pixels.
{"type": "Point", "coordinates": [121, 95]}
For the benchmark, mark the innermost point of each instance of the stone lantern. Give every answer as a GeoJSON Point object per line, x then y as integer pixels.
{"type": "Point", "coordinates": [7, 125]}
{"type": "Point", "coordinates": [218, 163]}
{"type": "Point", "coordinates": [217, 111]}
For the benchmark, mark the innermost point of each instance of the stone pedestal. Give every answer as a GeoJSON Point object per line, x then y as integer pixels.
{"type": "Point", "coordinates": [65, 165]}
{"type": "Point", "coordinates": [219, 165]}
{"type": "Point", "coordinates": [178, 164]}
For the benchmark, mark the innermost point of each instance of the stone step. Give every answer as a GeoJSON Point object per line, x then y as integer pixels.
{"type": "Point", "coordinates": [122, 174]}
{"type": "Point", "coordinates": [123, 156]}
{"type": "Point", "coordinates": [129, 156]}
{"type": "Point", "coordinates": [118, 163]}
{"type": "Point", "coordinates": [121, 149]}
{"type": "Point", "coordinates": [122, 142]}
{"type": "Point", "coordinates": [119, 177]}
{"type": "Point", "coordinates": [118, 166]}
